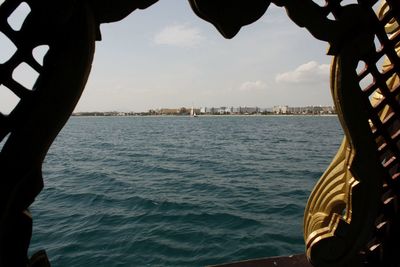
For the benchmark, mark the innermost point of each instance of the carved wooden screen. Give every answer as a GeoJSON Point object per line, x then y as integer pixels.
{"type": "Point", "coordinates": [69, 30]}
{"type": "Point", "coordinates": [383, 91]}
{"type": "Point", "coordinates": [352, 217]}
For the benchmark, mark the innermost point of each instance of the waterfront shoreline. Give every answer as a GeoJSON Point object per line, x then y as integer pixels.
{"type": "Point", "coordinates": [213, 115]}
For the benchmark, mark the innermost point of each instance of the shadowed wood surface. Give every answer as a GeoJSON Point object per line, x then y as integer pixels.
{"type": "Point", "coordinates": [287, 261]}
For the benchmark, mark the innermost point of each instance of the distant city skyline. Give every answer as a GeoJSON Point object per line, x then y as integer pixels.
{"type": "Point", "coordinates": [194, 111]}
{"type": "Point", "coordinates": [260, 108]}
{"type": "Point", "coordinates": [165, 56]}
{"type": "Point", "coordinates": [200, 106]}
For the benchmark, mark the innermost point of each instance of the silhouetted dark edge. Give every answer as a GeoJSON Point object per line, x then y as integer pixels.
{"type": "Point", "coordinates": [287, 261]}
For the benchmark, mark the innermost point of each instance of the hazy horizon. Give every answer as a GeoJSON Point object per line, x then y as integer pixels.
{"type": "Point", "coordinates": [196, 107]}
{"type": "Point", "coordinates": [165, 56]}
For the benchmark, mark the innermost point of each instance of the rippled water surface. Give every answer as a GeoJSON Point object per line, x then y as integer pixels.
{"type": "Point", "coordinates": [179, 191]}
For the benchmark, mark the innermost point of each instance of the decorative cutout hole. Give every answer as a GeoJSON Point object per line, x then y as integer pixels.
{"type": "Point", "coordinates": [388, 117]}
{"type": "Point", "coordinates": [331, 16]}
{"type": "Point", "coordinates": [25, 75]}
{"type": "Point", "coordinates": [394, 171]}
{"type": "Point", "coordinates": [376, 6]}
{"type": "Point", "coordinates": [344, 213]}
{"type": "Point", "coordinates": [348, 2]}
{"type": "Point", "coordinates": [380, 141]}
{"type": "Point", "coordinates": [8, 48]}
{"type": "Point", "coordinates": [381, 9]}
{"type": "Point", "coordinates": [8, 100]}
{"type": "Point", "coordinates": [388, 158]}
{"type": "Point", "coordinates": [320, 2]}
{"type": "Point", "coordinates": [39, 52]}
{"type": "Point", "coordinates": [387, 65]}
{"type": "Point", "coordinates": [391, 27]}
{"type": "Point", "coordinates": [378, 44]}
{"type": "Point", "coordinates": [390, 82]}
{"type": "Point", "coordinates": [361, 67]}
{"type": "Point", "coordinates": [376, 98]}
{"type": "Point", "coordinates": [17, 18]}
{"type": "Point", "coordinates": [367, 81]}
{"type": "Point", "coordinates": [388, 196]}
{"type": "Point", "coordinates": [394, 38]}
{"type": "Point", "coordinates": [371, 125]}
{"type": "Point", "coordinates": [380, 64]}
{"type": "Point", "coordinates": [2, 142]}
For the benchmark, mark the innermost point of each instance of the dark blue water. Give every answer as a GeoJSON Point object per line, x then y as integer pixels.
{"type": "Point", "coordinates": [179, 191]}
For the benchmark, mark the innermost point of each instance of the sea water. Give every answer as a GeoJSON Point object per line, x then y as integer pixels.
{"type": "Point", "coordinates": [179, 191]}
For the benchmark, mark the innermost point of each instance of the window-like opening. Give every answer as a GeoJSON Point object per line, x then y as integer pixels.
{"type": "Point", "coordinates": [25, 75]}
{"type": "Point", "coordinates": [7, 48]}
{"type": "Point", "coordinates": [39, 52]}
{"type": "Point", "coordinates": [8, 100]}
{"type": "Point", "coordinates": [17, 18]}
{"type": "Point", "coordinates": [367, 81]}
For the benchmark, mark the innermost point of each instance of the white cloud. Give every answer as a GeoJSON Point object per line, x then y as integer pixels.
{"type": "Point", "coordinates": [179, 35]}
{"type": "Point", "coordinates": [252, 86]}
{"type": "Point", "coordinates": [310, 72]}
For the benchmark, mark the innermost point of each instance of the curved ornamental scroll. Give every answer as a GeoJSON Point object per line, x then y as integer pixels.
{"type": "Point", "coordinates": [346, 219]}
{"type": "Point", "coordinates": [346, 212]}
{"type": "Point", "coordinates": [42, 110]}
{"type": "Point", "coordinates": [69, 28]}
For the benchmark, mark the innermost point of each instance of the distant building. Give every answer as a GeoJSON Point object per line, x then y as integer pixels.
{"type": "Point", "coordinates": [235, 110]}
{"type": "Point", "coordinates": [248, 110]}
{"type": "Point", "coordinates": [224, 110]}
{"type": "Point", "coordinates": [328, 110]}
{"type": "Point", "coordinates": [169, 111]}
{"type": "Point", "coordinates": [280, 109]}
{"type": "Point", "coordinates": [309, 110]}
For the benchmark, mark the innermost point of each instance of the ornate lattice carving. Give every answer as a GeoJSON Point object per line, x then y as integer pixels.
{"type": "Point", "coordinates": [69, 28]}
{"type": "Point", "coordinates": [342, 212]}
{"type": "Point", "coordinates": [352, 217]}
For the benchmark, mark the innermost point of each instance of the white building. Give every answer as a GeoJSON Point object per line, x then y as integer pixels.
{"type": "Point", "coordinates": [280, 109]}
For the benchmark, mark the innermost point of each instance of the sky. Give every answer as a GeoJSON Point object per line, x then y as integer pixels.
{"type": "Point", "coordinates": [167, 57]}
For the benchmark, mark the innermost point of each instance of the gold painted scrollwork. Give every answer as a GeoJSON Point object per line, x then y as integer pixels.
{"type": "Point", "coordinates": [341, 214]}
